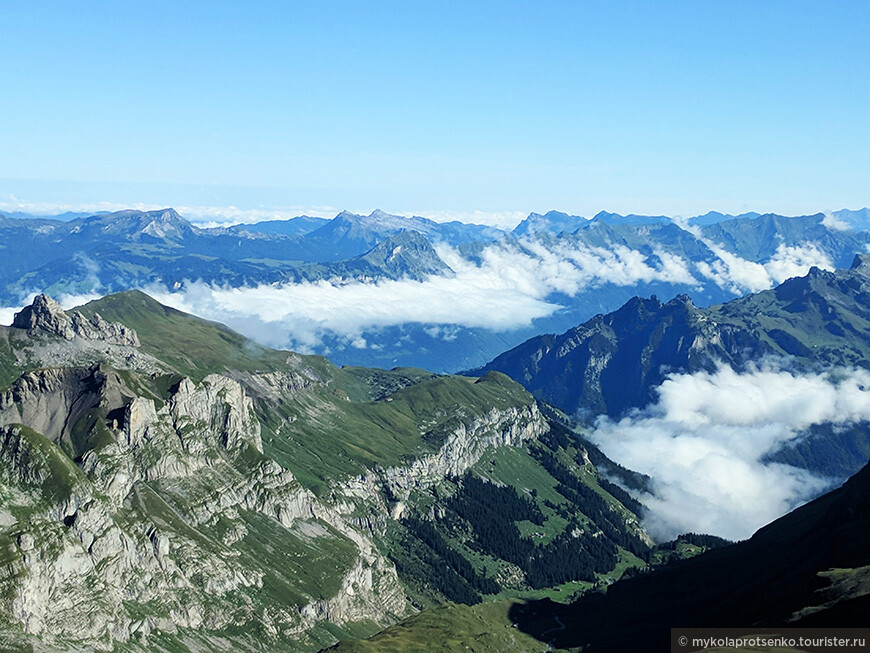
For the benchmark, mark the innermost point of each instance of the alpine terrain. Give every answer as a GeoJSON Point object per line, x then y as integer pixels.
{"type": "Point", "coordinates": [169, 485]}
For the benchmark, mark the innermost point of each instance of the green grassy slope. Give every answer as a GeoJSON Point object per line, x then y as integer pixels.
{"type": "Point", "coordinates": [450, 628]}
{"type": "Point", "coordinates": [526, 522]}
{"type": "Point", "coordinates": [189, 344]}
{"type": "Point", "coordinates": [321, 434]}
{"type": "Point", "coordinates": [325, 425]}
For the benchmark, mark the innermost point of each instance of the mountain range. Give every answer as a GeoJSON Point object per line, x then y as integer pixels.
{"type": "Point", "coordinates": [168, 484]}
{"type": "Point", "coordinates": [612, 363]}
{"type": "Point", "coordinates": [608, 259]}
{"type": "Point", "coordinates": [615, 364]}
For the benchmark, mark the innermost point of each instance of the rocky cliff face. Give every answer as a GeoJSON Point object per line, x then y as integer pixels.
{"type": "Point", "coordinates": [46, 315]}
{"type": "Point", "coordinates": [137, 505]}
{"type": "Point", "coordinates": [98, 537]}
{"type": "Point", "coordinates": [463, 447]}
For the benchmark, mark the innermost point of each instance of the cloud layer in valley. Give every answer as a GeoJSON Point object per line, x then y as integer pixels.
{"type": "Point", "coordinates": [739, 275]}
{"type": "Point", "coordinates": [507, 289]}
{"type": "Point", "coordinates": [704, 442]}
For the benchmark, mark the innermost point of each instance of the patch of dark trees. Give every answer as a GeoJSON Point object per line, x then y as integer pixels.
{"type": "Point", "coordinates": [451, 559]}
{"type": "Point", "coordinates": [418, 562]}
{"type": "Point", "coordinates": [591, 504]}
{"type": "Point", "coordinates": [698, 539]}
{"type": "Point", "coordinates": [491, 510]}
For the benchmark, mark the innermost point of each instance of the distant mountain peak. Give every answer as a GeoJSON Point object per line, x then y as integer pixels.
{"type": "Point", "coordinates": [554, 222]}
{"type": "Point", "coordinates": [630, 219]}
{"type": "Point", "coordinates": [347, 215]}
{"type": "Point", "coordinates": [408, 253]}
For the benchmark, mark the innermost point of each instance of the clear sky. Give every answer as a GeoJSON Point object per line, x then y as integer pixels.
{"type": "Point", "coordinates": [437, 108]}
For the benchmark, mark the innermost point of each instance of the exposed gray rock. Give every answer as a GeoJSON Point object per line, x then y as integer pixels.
{"type": "Point", "coordinates": [464, 446]}
{"type": "Point", "coordinates": [146, 531]}
{"type": "Point", "coordinates": [96, 328]}
{"type": "Point", "coordinates": [79, 567]}
{"type": "Point", "coordinates": [278, 384]}
{"type": "Point", "coordinates": [46, 315]}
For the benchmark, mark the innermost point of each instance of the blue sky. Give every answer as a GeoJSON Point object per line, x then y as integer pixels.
{"type": "Point", "coordinates": [437, 108]}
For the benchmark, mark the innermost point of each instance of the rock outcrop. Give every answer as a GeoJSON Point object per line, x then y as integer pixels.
{"type": "Point", "coordinates": [138, 503]}
{"type": "Point", "coordinates": [464, 446]}
{"type": "Point", "coordinates": [46, 315]}
{"type": "Point", "coordinates": [132, 523]}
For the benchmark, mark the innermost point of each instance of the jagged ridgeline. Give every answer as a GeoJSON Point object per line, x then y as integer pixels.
{"type": "Point", "coordinates": [613, 363]}
{"type": "Point", "coordinates": [167, 484]}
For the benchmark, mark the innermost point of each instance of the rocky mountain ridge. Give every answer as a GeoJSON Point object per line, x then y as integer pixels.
{"type": "Point", "coordinates": [45, 314]}
{"type": "Point", "coordinates": [146, 510]}
{"type": "Point", "coordinates": [115, 252]}
{"type": "Point", "coordinates": [613, 362]}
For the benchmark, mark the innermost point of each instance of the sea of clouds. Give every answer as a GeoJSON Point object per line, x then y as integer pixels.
{"type": "Point", "coordinates": [508, 287]}
{"type": "Point", "coordinates": [704, 442]}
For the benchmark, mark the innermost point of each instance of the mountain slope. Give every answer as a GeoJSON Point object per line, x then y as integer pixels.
{"type": "Point", "coordinates": [806, 569]}
{"type": "Point", "coordinates": [782, 575]}
{"type": "Point", "coordinates": [613, 362]}
{"type": "Point", "coordinates": [167, 484]}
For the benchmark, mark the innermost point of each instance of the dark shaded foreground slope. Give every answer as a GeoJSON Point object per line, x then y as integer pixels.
{"type": "Point", "coordinates": [807, 568]}
{"type": "Point", "coordinates": [810, 568]}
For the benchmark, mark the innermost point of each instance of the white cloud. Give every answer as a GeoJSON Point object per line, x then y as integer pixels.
{"type": "Point", "coordinates": [796, 261]}
{"type": "Point", "coordinates": [300, 314]}
{"type": "Point", "coordinates": [227, 216]}
{"type": "Point", "coordinates": [738, 274]}
{"type": "Point", "coordinates": [71, 300]}
{"type": "Point", "coordinates": [703, 444]}
{"type": "Point", "coordinates": [835, 223]}
{"type": "Point", "coordinates": [507, 290]}
{"type": "Point", "coordinates": [7, 313]}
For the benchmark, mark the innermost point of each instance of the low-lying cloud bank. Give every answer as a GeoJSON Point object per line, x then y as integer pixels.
{"type": "Point", "coordinates": [507, 289]}
{"type": "Point", "coordinates": [739, 275]}
{"type": "Point", "coordinates": [703, 444]}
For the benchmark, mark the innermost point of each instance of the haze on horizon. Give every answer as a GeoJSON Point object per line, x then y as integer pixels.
{"type": "Point", "coordinates": [484, 112]}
